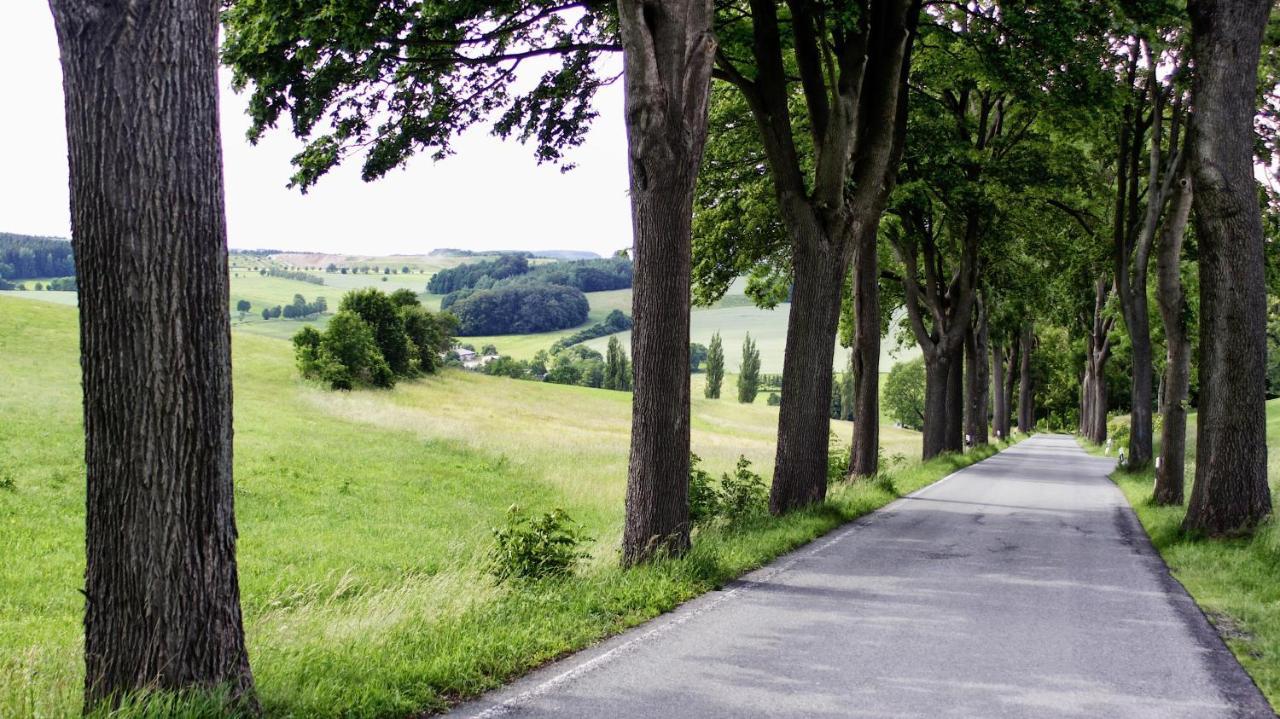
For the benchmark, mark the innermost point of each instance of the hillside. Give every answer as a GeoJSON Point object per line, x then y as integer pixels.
{"type": "Point", "coordinates": [364, 518]}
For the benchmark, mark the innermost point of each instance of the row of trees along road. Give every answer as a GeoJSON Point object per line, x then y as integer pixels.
{"type": "Point", "coordinates": [1002, 144]}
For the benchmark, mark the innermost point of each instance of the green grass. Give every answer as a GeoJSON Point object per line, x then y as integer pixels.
{"type": "Point", "coordinates": [364, 518]}
{"type": "Point", "coordinates": [1234, 581]}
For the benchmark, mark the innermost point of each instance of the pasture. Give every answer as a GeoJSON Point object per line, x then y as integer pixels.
{"type": "Point", "coordinates": [364, 521]}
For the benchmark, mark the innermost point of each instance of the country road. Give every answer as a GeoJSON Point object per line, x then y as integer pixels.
{"type": "Point", "coordinates": [1022, 586]}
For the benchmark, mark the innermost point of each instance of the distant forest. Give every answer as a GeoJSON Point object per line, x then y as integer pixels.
{"type": "Point", "coordinates": [25, 257]}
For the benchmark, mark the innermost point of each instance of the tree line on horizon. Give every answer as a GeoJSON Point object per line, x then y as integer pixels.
{"type": "Point", "coordinates": [999, 169]}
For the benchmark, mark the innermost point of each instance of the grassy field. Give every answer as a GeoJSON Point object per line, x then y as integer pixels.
{"type": "Point", "coordinates": [364, 519]}
{"type": "Point", "coordinates": [1233, 581]}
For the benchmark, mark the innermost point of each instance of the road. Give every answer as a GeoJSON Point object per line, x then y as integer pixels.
{"type": "Point", "coordinates": [1022, 586]}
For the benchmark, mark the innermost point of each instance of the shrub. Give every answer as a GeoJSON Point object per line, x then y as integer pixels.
{"type": "Point", "coordinates": [704, 500]}
{"type": "Point", "coordinates": [538, 547]}
{"type": "Point", "coordinates": [347, 355]}
{"type": "Point", "coordinates": [743, 494]}
{"type": "Point", "coordinates": [774, 399]}
{"type": "Point", "coordinates": [380, 313]}
{"type": "Point", "coordinates": [837, 460]}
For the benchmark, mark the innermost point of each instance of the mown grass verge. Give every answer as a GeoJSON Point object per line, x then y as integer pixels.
{"type": "Point", "coordinates": [1236, 582]}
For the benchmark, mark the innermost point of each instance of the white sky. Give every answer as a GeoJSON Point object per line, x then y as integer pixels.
{"type": "Point", "coordinates": [490, 195]}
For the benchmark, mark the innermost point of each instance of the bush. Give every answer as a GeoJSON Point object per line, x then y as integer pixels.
{"type": "Point", "coordinates": [524, 309]}
{"type": "Point", "coordinates": [773, 400]}
{"type": "Point", "coordinates": [743, 494]}
{"type": "Point", "coordinates": [615, 322]}
{"type": "Point", "coordinates": [345, 356]}
{"type": "Point", "coordinates": [837, 460]}
{"type": "Point", "coordinates": [532, 548]}
{"type": "Point", "coordinates": [704, 500]}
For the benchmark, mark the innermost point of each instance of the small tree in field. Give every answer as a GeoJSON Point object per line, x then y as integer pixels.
{"type": "Point", "coordinates": [904, 393]}
{"type": "Point", "coordinates": [749, 371]}
{"type": "Point", "coordinates": [715, 367]}
{"type": "Point", "coordinates": [243, 308]}
{"type": "Point", "coordinates": [617, 373]}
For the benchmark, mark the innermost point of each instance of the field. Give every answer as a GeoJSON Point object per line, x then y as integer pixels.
{"type": "Point", "coordinates": [1233, 581]}
{"type": "Point", "coordinates": [364, 520]}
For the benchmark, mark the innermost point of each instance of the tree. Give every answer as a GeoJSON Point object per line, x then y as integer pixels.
{"type": "Point", "coordinates": [697, 355]}
{"type": "Point", "coordinates": [668, 49]}
{"type": "Point", "coordinates": [1175, 314]}
{"type": "Point", "coordinates": [1026, 400]}
{"type": "Point", "coordinates": [904, 393]}
{"type": "Point", "coordinates": [161, 587]}
{"type": "Point", "coordinates": [617, 373]}
{"type": "Point", "coordinates": [749, 372]}
{"type": "Point", "coordinates": [379, 313]}
{"type": "Point", "coordinates": [243, 307]}
{"type": "Point", "coordinates": [715, 367]}
{"type": "Point", "coordinates": [831, 164]}
{"type": "Point", "coordinates": [1230, 493]}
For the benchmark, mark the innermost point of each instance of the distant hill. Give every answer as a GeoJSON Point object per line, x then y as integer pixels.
{"type": "Point", "coordinates": [543, 254]}
{"type": "Point", "coordinates": [28, 256]}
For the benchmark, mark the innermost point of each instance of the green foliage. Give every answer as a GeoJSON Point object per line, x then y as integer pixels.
{"type": "Point", "coordinates": [903, 393]}
{"type": "Point", "coordinates": [291, 275]}
{"type": "Point", "coordinates": [715, 367]}
{"type": "Point", "coordinates": [519, 309]}
{"type": "Point", "coordinates": [383, 318]}
{"type": "Point", "coordinates": [363, 100]}
{"type": "Point", "coordinates": [749, 371]}
{"type": "Point", "coordinates": [704, 499]}
{"type": "Point", "coordinates": [774, 399]}
{"type": "Point", "coordinates": [617, 371]}
{"type": "Point", "coordinates": [616, 321]}
{"type": "Point", "coordinates": [697, 355]}
{"type": "Point", "coordinates": [348, 353]}
{"type": "Point", "coordinates": [536, 547]}
{"type": "Point", "coordinates": [837, 459]}
{"type": "Point", "coordinates": [614, 273]}
{"type": "Point", "coordinates": [243, 306]}
{"type": "Point", "coordinates": [743, 493]}
{"type": "Point", "coordinates": [473, 274]}
{"type": "Point", "coordinates": [26, 257]}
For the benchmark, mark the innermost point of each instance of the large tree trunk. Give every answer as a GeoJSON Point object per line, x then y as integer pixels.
{"type": "Point", "coordinates": [865, 450]}
{"type": "Point", "coordinates": [668, 51]}
{"type": "Point", "coordinates": [1140, 442]}
{"type": "Point", "coordinates": [999, 409]}
{"type": "Point", "coordinates": [1230, 494]}
{"type": "Point", "coordinates": [1026, 410]}
{"type": "Point", "coordinates": [1171, 473]}
{"type": "Point", "coordinates": [1011, 382]}
{"type": "Point", "coordinates": [953, 431]}
{"type": "Point", "coordinates": [937, 371]}
{"type": "Point", "coordinates": [804, 418]}
{"type": "Point", "coordinates": [162, 607]}
{"type": "Point", "coordinates": [976, 381]}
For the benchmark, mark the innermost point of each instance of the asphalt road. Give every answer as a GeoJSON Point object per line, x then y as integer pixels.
{"type": "Point", "coordinates": [1022, 586]}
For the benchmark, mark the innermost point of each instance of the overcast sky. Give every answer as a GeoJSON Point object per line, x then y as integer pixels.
{"type": "Point", "coordinates": [490, 195]}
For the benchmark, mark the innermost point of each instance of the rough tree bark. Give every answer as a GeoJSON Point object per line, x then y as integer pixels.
{"type": "Point", "coordinates": [999, 408]}
{"type": "Point", "coordinates": [1172, 298]}
{"type": "Point", "coordinates": [864, 459]}
{"type": "Point", "coordinates": [949, 305]}
{"type": "Point", "coordinates": [852, 90]}
{"type": "Point", "coordinates": [1010, 381]}
{"type": "Point", "coordinates": [1026, 408]}
{"type": "Point", "coordinates": [1230, 494]}
{"type": "Point", "coordinates": [668, 49]}
{"type": "Point", "coordinates": [976, 380]}
{"type": "Point", "coordinates": [1093, 419]}
{"type": "Point", "coordinates": [162, 607]}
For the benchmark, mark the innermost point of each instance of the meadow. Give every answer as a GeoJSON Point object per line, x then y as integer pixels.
{"type": "Point", "coordinates": [1233, 580]}
{"type": "Point", "coordinates": [365, 519]}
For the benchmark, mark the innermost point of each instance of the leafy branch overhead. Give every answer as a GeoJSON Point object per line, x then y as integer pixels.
{"type": "Point", "coordinates": [386, 80]}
